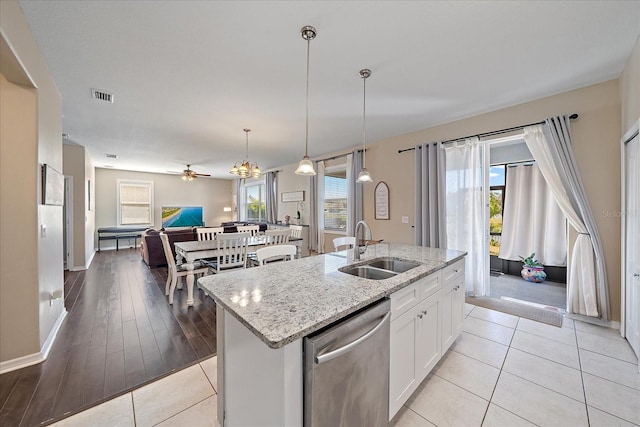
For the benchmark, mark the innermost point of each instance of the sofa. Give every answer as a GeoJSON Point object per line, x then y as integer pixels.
{"type": "Point", "coordinates": [151, 248]}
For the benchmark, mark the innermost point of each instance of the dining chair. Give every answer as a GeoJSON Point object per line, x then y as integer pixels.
{"type": "Point", "coordinates": [277, 237]}
{"type": "Point", "coordinates": [175, 271]}
{"type": "Point", "coordinates": [231, 252]}
{"type": "Point", "coordinates": [296, 230]}
{"type": "Point", "coordinates": [253, 229]}
{"type": "Point", "coordinates": [208, 233]}
{"type": "Point", "coordinates": [276, 253]}
{"type": "Point", "coordinates": [338, 242]}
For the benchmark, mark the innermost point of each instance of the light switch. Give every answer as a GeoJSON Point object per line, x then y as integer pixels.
{"type": "Point", "coordinates": [43, 231]}
{"type": "Point", "coordinates": [405, 220]}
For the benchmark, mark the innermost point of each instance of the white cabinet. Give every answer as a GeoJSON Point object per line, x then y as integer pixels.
{"type": "Point", "coordinates": [452, 303]}
{"type": "Point", "coordinates": [426, 318]}
{"type": "Point", "coordinates": [415, 338]}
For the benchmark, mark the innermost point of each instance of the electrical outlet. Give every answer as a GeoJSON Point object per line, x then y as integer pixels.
{"type": "Point", "coordinates": [405, 220]}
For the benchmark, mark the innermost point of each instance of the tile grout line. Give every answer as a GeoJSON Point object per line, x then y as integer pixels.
{"type": "Point", "coordinates": [584, 389]}
{"type": "Point", "coordinates": [133, 408]}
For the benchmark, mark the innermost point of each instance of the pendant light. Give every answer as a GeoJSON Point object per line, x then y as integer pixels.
{"type": "Point", "coordinates": [364, 173]}
{"type": "Point", "coordinates": [246, 169]}
{"type": "Point", "coordinates": [305, 167]}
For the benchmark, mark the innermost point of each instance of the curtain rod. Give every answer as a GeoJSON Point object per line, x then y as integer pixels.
{"type": "Point", "coordinates": [495, 132]}
{"type": "Point", "coordinates": [338, 156]}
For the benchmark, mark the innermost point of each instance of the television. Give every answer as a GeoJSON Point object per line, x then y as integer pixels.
{"type": "Point", "coordinates": [182, 216]}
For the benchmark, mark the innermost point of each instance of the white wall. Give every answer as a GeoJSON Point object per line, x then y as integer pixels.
{"type": "Point", "coordinates": [169, 190]}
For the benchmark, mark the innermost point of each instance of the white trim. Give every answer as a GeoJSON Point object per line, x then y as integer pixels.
{"type": "Point", "coordinates": [86, 267]}
{"type": "Point", "coordinates": [623, 223]}
{"type": "Point", "coordinates": [32, 359]}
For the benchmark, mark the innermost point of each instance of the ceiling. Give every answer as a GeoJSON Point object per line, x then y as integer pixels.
{"type": "Point", "coordinates": [188, 76]}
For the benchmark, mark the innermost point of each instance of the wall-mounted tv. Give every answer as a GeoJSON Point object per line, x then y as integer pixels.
{"type": "Point", "coordinates": [182, 216]}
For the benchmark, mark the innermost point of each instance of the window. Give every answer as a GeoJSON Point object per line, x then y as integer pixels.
{"type": "Point", "coordinates": [255, 207]}
{"type": "Point", "coordinates": [335, 200]}
{"type": "Point", "coordinates": [135, 202]}
{"type": "Point", "coordinates": [496, 206]}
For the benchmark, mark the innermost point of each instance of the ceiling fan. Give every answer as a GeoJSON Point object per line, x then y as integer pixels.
{"type": "Point", "coordinates": [189, 175]}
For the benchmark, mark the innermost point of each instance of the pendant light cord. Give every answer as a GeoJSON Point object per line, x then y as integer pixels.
{"type": "Point", "coordinates": [306, 140]}
{"type": "Point", "coordinates": [364, 123]}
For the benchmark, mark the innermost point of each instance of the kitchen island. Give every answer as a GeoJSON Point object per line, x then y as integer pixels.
{"type": "Point", "coordinates": [264, 313]}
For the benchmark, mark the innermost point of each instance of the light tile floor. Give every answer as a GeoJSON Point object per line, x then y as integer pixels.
{"type": "Point", "coordinates": [502, 371]}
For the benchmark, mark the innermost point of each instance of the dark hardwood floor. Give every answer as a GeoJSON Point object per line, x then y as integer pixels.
{"type": "Point", "coordinates": [120, 333]}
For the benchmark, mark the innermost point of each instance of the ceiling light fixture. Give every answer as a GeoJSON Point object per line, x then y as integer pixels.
{"type": "Point", "coordinates": [364, 173]}
{"type": "Point", "coordinates": [246, 169]}
{"type": "Point", "coordinates": [305, 167]}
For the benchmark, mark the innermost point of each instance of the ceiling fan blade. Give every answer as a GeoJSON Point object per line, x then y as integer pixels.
{"type": "Point", "coordinates": [202, 174]}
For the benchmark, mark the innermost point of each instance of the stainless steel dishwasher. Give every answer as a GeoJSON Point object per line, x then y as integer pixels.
{"type": "Point", "coordinates": [346, 372]}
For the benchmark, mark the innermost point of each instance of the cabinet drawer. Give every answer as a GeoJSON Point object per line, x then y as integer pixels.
{"type": "Point", "coordinates": [453, 270]}
{"type": "Point", "coordinates": [429, 285]}
{"type": "Point", "coordinates": [404, 299]}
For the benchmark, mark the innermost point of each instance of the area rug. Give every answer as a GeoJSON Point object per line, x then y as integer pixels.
{"type": "Point", "coordinates": [549, 315]}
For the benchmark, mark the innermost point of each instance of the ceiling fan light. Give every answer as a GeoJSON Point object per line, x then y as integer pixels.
{"type": "Point", "coordinates": [184, 177]}
{"type": "Point", "coordinates": [364, 176]}
{"type": "Point", "coordinates": [305, 167]}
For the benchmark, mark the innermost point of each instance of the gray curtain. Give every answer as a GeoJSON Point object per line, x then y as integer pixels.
{"type": "Point", "coordinates": [271, 200]}
{"type": "Point", "coordinates": [354, 198]}
{"type": "Point", "coordinates": [554, 155]}
{"type": "Point", "coordinates": [430, 192]}
{"type": "Point", "coordinates": [313, 212]}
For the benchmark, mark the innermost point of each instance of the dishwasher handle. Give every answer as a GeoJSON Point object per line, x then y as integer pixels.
{"type": "Point", "coordinates": [348, 347]}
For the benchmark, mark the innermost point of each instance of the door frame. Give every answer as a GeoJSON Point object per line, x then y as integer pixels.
{"type": "Point", "coordinates": [623, 225]}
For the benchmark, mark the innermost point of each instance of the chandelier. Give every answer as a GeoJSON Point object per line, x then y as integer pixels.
{"type": "Point", "coordinates": [305, 167]}
{"type": "Point", "coordinates": [246, 169]}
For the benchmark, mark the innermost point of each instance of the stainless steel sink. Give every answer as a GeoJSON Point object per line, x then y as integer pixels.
{"type": "Point", "coordinates": [392, 264]}
{"type": "Point", "coordinates": [380, 268]}
{"type": "Point", "coordinates": [367, 272]}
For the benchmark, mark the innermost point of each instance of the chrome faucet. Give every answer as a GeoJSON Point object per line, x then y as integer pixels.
{"type": "Point", "coordinates": [356, 247]}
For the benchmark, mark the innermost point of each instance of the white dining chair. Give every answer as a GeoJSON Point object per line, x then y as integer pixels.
{"type": "Point", "coordinates": [296, 230]}
{"type": "Point", "coordinates": [338, 242]}
{"type": "Point", "coordinates": [253, 229]}
{"type": "Point", "coordinates": [175, 271]}
{"type": "Point", "coordinates": [231, 252]}
{"type": "Point", "coordinates": [276, 253]}
{"type": "Point", "coordinates": [208, 233]}
{"type": "Point", "coordinates": [277, 237]}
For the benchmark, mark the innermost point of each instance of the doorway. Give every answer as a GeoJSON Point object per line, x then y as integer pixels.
{"type": "Point", "coordinates": [512, 177]}
{"type": "Point", "coordinates": [67, 223]}
{"type": "Point", "coordinates": [630, 237]}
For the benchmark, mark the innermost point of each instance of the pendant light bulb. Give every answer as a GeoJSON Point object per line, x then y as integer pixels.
{"type": "Point", "coordinates": [305, 167]}
{"type": "Point", "coordinates": [364, 175]}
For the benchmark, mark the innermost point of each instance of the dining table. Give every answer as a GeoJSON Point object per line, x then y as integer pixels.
{"type": "Point", "coordinates": [187, 253]}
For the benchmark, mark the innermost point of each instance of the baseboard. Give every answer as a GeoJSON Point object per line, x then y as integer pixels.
{"type": "Point", "coordinates": [84, 267]}
{"type": "Point", "coordinates": [32, 359]}
{"type": "Point", "coordinates": [613, 324]}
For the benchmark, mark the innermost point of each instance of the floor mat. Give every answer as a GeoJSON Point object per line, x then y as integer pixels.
{"type": "Point", "coordinates": [549, 315]}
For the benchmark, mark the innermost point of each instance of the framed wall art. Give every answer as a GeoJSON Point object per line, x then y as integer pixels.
{"type": "Point", "coordinates": [52, 186]}
{"type": "Point", "coordinates": [293, 196]}
{"type": "Point", "coordinates": [382, 201]}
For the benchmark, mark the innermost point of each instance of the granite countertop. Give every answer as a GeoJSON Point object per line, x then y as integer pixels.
{"type": "Point", "coordinates": [282, 302]}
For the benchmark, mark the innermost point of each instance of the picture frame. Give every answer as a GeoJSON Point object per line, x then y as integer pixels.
{"type": "Point", "coordinates": [292, 196]}
{"type": "Point", "coordinates": [52, 186]}
{"type": "Point", "coordinates": [381, 198]}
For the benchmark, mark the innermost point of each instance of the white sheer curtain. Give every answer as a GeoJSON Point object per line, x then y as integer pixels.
{"type": "Point", "coordinates": [320, 206]}
{"type": "Point", "coordinates": [532, 220]}
{"type": "Point", "coordinates": [430, 225]}
{"type": "Point", "coordinates": [466, 214]}
{"type": "Point", "coordinates": [550, 145]}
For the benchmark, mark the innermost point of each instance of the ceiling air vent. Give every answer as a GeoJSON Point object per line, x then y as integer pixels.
{"type": "Point", "coordinates": [102, 95]}
{"type": "Point", "coordinates": [111, 156]}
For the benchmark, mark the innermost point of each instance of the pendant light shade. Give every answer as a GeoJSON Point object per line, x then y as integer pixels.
{"type": "Point", "coordinates": [305, 167]}
{"type": "Point", "coordinates": [364, 175]}
{"type": "Point", "coordinates": [246, 169]}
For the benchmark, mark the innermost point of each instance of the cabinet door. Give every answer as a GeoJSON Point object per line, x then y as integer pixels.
{"type": "Point", "coordinates": [457, 306]}
{"type": "Point", "coordinates": [428, 335]}
{"type": "Point", "coordinates": [402, 370]}
{"type": "Point", "coordinates": [446, 309]}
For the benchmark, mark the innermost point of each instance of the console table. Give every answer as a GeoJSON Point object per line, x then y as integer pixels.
{"type": "Point", "coordinates": [117, 233]}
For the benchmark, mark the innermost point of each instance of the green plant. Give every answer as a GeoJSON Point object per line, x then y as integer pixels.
{"type": "Point", "coordinates": [530, 261]}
